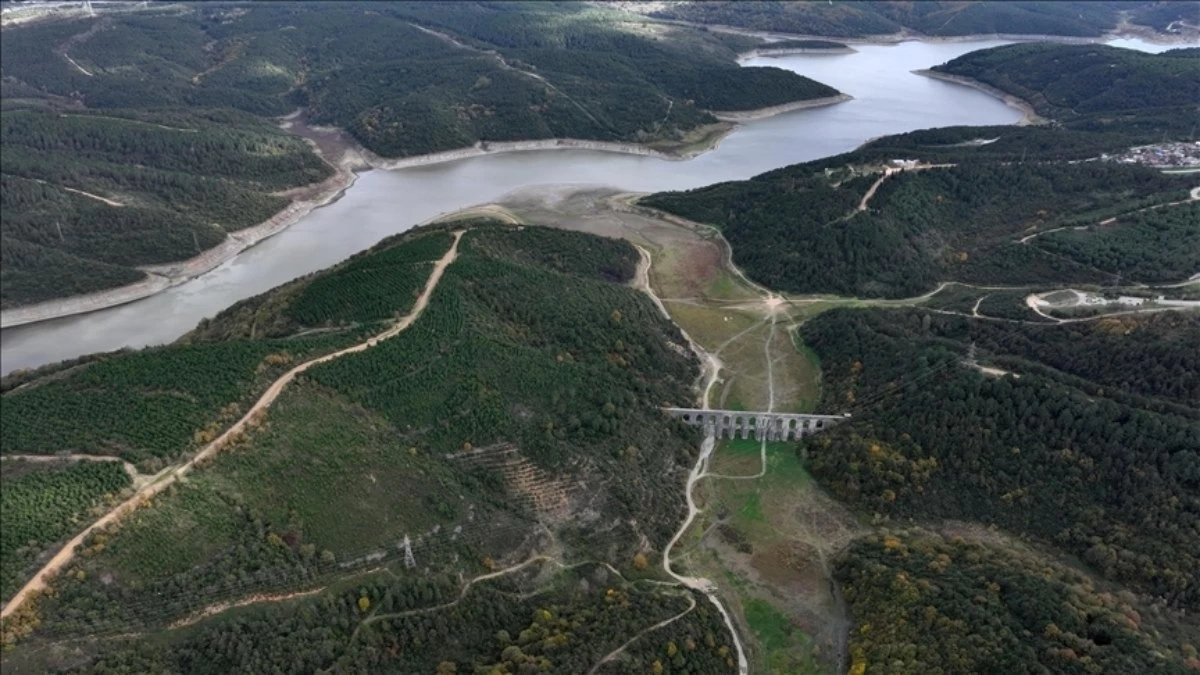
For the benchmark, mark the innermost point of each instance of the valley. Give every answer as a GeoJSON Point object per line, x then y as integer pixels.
{"type": "Point", "coordinates": [444, 417]}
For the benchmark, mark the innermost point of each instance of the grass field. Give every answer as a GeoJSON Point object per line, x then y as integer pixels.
{"type": "Point", "coordinates": [768, 539]}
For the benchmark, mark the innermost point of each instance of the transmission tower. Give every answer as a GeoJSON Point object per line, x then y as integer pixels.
{"type": "Point", "coordinates": [409, 561]}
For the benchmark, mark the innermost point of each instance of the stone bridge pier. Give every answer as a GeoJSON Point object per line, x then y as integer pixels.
{"type": "Point", "coordinates": [768, 426]}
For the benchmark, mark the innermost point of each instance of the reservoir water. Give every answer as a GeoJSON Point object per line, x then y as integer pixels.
{"type": "Point", "coordinates": [888, 99]}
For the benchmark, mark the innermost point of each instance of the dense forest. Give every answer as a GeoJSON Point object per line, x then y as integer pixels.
{"type": "Point", "coordinates": [144, 137]}
{"type": "Point", "coordinates": [1157, 246]}
{"type": "Point", "coordinates": [534, 370]}
{"type": "Point", "coordinates": [942, 18]}
{"type": "Point", "coordinates": [1060, 453]}
{"type": "Point", "coordinates": [925, 603]}
{"type": "Point", "coordinates": [803, 229]}
{"type": "Point", "coordinates": [540, 620]}
{"type": "Point", "coordinates": [1094, 87]}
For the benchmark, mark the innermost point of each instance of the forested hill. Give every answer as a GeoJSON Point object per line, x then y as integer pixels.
{"type": "Point", "coordinates": [813, 229]}
{"type": "Point", "coordinates": [513, 431]}
{"type": "Point", "coordinates": [1094, 87]}
{"type": "Point", "coordinates": [940, 18]}
{"type": "Point", "coordinates": [1073, 453]}
{"type": "Point", "coordinates": [143, 137]}
{"type": "Point", "coordinates": [404, 78]}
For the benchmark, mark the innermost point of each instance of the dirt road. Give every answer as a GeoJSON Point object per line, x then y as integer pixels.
{"type": "Point", "coordinates": [641, 281]}
{"type": "Point", "coordinates": [129, 468]}
{"type": "Point", "coordinates": [143, 495]}
{"type": "Point", "coordinates": [710, 365]}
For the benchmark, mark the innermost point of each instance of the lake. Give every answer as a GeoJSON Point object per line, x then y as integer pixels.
{"type": "Point", "coordinates": [888, 99]}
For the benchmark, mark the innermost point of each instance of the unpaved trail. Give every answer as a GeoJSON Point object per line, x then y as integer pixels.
{"type": "Point", "coordinates": [76, 65]}
{"type": "Point", "coordinates": [710, 364]}
{"type": "Point", "coordinates": [862, 204]}
{"type": "Point", "coordinates": [995, 372]}
{"type": "Point", "coordinates": [770, 364]}
{"type": "Point", "coordinates": [78, 39]}
{"type": "Point", "coordinates": [708, 588]}
{"type": "Point", "coordinates": [106, 200]}
{"type": "Point", "coordinates": [641, 280]}
{"type": "Point", "coordinates": [67, 553]}
{"type": "Point", "coordinates": [213, 610]}
{"type": "Point", "coordinates": [129, 468]}
{"type": "Point", "coordinates": [762, 450]}
{"type": "Point", "coordinates": [461, 594]}
{"type": "Point", "coordinates": [1031, 301]}
{"type": "Point", "coordinates": [482, 211]}
{"type": "Point", "coordinates": [508, 66]}
{"type": "Point", "coordinates": [620, 650]}
{"type": "Point", "coordinates": [890, 171]}
{"type": "Point", "coordinates": [1193, 195]}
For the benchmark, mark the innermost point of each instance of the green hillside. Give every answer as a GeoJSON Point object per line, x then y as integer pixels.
{"type": "Point", "coordinates": [519, 414]}
{"type": "Point", "coordinates": [90, 195]}
{"type": "Point", "coordinates": [1079, 451]}
{"type": "Point", "coordinates": [913, 595]}
{"type": "Point", "coordinates": [1094, 87]}
{"type": "Point", "coordinates": [800, 229]}
{"type": "Point", "coordinates": [44, 502]}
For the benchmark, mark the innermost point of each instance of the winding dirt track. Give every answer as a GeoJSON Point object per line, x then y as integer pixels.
{"type": "Point", "coordinates": [611, 656]}
{"type": "Point", "coordinates": [67, 552]}
{"type": "Point", "coordinates": [711, 367]}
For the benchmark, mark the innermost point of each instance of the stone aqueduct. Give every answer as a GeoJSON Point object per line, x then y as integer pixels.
{"type": "Point", "coordinates": [743, 424]}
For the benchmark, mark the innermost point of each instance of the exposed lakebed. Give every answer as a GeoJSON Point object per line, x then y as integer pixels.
{"type": "Point", "coordinates": [888, 99]}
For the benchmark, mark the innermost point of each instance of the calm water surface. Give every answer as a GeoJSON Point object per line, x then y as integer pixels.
{"type": "Point", "coordinates": [888, 99]}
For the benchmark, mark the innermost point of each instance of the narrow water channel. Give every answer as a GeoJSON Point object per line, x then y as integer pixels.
{"type": "Point", "coordinates": [888, 99]}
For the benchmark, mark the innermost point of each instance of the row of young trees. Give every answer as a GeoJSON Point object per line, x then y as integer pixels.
{"type": "Point", "coordinates": [42, 503]}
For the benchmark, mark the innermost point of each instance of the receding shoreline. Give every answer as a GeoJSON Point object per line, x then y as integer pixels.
{"type": "Point", "coordinates": [162, 277]}
{"type": "Point", "coordinates": [763, 113]}
{"type": "Point", "coordinates": [1121, 31]}
{"type": "Point", "coordinates": [347, 161]}
{"type": "Point", "coordinates": [767, 52]}
{"type": "Point", "coordinates": [1030, 115]}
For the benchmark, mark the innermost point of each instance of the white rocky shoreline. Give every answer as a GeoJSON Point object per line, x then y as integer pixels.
{"type": "Point", "coordinates": [352, 160]}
